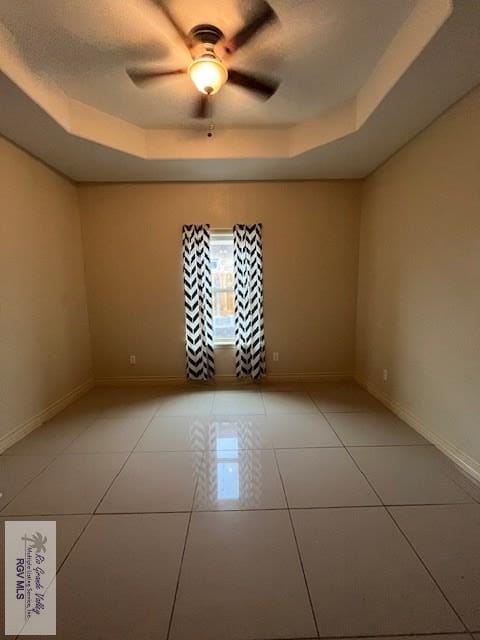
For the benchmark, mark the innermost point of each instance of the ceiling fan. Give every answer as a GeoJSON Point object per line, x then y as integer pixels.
{"type": "Point", "coordinates": [208, 48]}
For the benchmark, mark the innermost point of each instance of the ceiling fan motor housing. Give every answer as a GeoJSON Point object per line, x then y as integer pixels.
{"type": "Point", "coordinates": [206, 33]}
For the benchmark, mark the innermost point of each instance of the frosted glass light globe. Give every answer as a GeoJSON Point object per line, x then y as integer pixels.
{"type": "Point", "coordinates": [208, 74]}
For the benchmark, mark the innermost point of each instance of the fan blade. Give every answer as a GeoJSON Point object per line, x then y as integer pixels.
{"type": "Point", "coordinates": [203, 108]}
{"type": "Point", "coordinates": [265, 87]}
{"type": "Point", "coordinates": [145, 78]}
{"type": "Point", "coordinates": [263, 16]}
{"type": "Point", "coordinates": [160, 4]}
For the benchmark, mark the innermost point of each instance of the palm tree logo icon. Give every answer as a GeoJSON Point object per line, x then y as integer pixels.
{"type": "Point", "coordinates": [37, 541]}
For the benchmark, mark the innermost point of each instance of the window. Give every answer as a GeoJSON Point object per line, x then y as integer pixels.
{"type": "Point", "coordinates": [221, 254]}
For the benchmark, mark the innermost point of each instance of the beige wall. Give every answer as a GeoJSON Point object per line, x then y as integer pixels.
{"type": "Point", "coordinates": [132, 248]}
{"type": "Point", "coordinates": [44, 338]}
{"type": "Point", "coordinates": [418, 306]}
{"type": "Point", "coordinates": [419, 278]}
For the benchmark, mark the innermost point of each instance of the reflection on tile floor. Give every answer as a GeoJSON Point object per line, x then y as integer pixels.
{"type": "Point", "coordinates": [205, 433]}
{"type": "Point", "coordinates": [250, 513]}
{"type": "Point", "coordinates": [234, 479]}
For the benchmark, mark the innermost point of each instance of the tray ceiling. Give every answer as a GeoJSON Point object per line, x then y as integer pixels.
{"type": "Point", "coordinates": [323, 51]}
{"type": "Point", "coordinates": [351, 72]}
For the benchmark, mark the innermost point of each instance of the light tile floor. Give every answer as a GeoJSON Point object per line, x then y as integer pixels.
{"type": "Point", "coordinates": [257, 513]}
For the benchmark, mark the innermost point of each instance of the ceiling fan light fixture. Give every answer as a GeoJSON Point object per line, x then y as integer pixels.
{"type": "Point", "coordinates": [208, 74]}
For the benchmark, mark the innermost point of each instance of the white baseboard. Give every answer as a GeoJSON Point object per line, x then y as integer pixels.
{"type": "Point", "coordinates": [154, 381]}
{"type": "Point", "coordinates": [138, 381]}
{"type": "Point", "coordinates": [459, 457]}
{"type": "Point", "coordinates": [325, 376]}
{"type": "Point", "coordinates": [19, 432]}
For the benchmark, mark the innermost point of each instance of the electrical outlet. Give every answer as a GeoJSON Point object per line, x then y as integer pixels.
{"type": "Point", "coordinates": [385, 375]}
{"type": "Point", "coordinates": [133, 359]}
{"type": "Point", "coordinates": [276, 356]}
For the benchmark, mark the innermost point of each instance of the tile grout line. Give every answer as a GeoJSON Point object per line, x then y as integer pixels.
{"type": "Point", "coordinates": [180, 567]}
{"type": "Point", "coordinates": [408, 636]}
{"type": "Point", "coordinates": [183, 511]}
{"type": "Point", "coordinates": [457, 483]}
{"type": "Point", "coordinates": [96, 416]}
{"type": "Point", "coordinates": [2, 511]}
{"type": "Point", "coordinates": [290, 447]}
{"type": "Point", "coordinates": [177, 585]}
{"type": "Point", "coordinates": [385, 409]}
{"type": "Point", "coordinates": [299, 555]}
{"type": "Point", "coordinates": [57, 570]}
{"type": "Point", "coordinates": [94, 512]}
{"type": "Point", "coordinates": [75, 542]}
{"type": "Point", "coordinates": [91, 515]}
{"type": "Point", "coordinates": [55, 456]}
{"type": "Point", "coordinates": [402, 533]}
{"type": "Point", "coordinates": [122, 466]}
{"type": "Point", "coordinates": [382, 505]}
{"type": "Point", "coordinates": [427, 569]}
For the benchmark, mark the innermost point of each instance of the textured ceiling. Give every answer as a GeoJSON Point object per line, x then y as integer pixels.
{"type": "Point", "coordinates": [361, 78]}
{"type": "Point", "coordinates": [323, 50]}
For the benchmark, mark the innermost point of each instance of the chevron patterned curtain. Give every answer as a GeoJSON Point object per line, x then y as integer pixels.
{"type": "Point", "coordinates": [249, 331]}
{"type": "Point", "coordinates": [197, 282]}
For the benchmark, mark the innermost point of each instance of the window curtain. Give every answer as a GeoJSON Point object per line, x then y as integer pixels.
{"type": "Point", "coordinates": [197, 281]}
{"type": "Point", "coordinates": [248, 274]}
